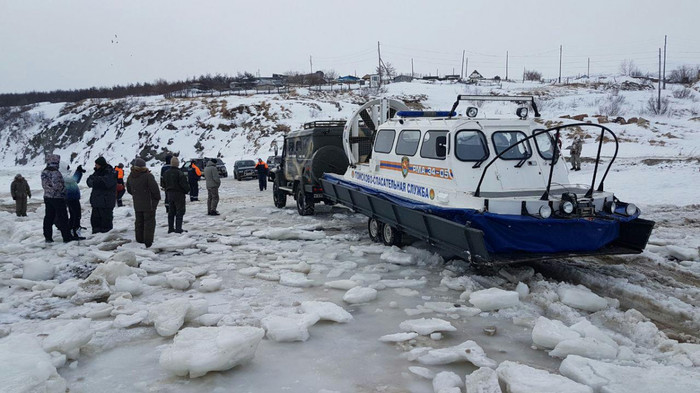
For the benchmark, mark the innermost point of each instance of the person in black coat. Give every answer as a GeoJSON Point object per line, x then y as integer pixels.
{"type": "Point", "coordinates": [103, 197]}
{"type": "Point", "coordinates": [163, 169]}
{"type": "Point", "coordinates": [176, 187]}
{"type": "Point", "coordinates": [193, 176]}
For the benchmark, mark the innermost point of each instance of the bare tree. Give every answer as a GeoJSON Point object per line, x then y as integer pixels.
{"type": "Point", "coordinates": [628, 68]}
{"type": "Point", "coordinates": [532, 75]}
{"type": "Point", "coordinates": [684, 74]}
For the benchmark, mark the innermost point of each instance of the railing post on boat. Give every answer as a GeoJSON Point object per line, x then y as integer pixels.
{"type": "Point", "coordinates": [589, 194]}
{"type": "Point", "coordinates": [545, 196]}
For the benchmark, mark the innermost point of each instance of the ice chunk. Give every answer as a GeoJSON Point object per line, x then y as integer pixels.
{"type": "Point", "coordinates": [404, 283]}
{"type": "Point", "coordinates": [111, 270]}
{"type": "Point", "coordinates": [197, 351]}
{"type": "Point", "coordinates": [268, 276]}
{"type": "Point", "coordinates": [584, 346]}
{"type": "Point", "coordinates": [210, 284]}
{"type": "Point", "coordinates": [131, 284]}
{"type": "Point", "coordinates": [327, 311]}
{"type": "Point", "coordinates": [168, 317]}
{"type": "Point", "coordinates": [483, 380]}
{"type": "Point", "coordinates": [341, 284]}
{"type": "Point", "coordinates": [366, 278]}
{"type": "Point", "coordinates": [126, 256]}
{"type": "Point", "coordinates": [290, 328]}
{"type": "Point", "coordinates": [295, 279]}
{"type": "Point", "coordinates": [522, 289]}
{"type": "Point", "coordinates": [92, 289]}
{"type": "Point", "coordinates": [360, 295]}
{"type": "Point", "coordinates": [249, 271]}
{"type": "Point", "coordinates": [157, 280]}
{"type": "Point", "coordinates": [69, 338]}
{"type": "Point", "coordinates": [198, 307]}
{"type": "Point", "coordinates": [26, 367]}
{"type": "Point", "coordinates": [581, 298]}
{"type": "Point", "coordinates": [452, 308]}
{"type": "Point", "coordinates": [101, 310]}
{"type": "Point", "coordinates": [422, 372]}
{"type": "Point", "coordinates": [289, 234]}
{"type": "Point", "coordinates": [607, 377]}
{"type": "Point", "coordinates": [494, 299]}
{"type": "Point", "coordinates": [425, 326]}
{"type": "Point", "coordinates": [180, 280]}
{"type": "Point", "coordinates": [38, 270]}
{"type": "Point", "coordinates": [398, 337]}
{"type": "Point", "coordinates": [67, 288]}
{"type": "Point", "coordinates": [587, 329]}
{"type": "Point", "coordinates": [447, 382]}
{"type": "Point", "coordinates": [519, 378]}
{"type": "Point", "coordinates": [548, 333]}
{"type": "Point", "coordinates": [125, 320]}
{"type": "Point", "coordinates": [467, 351]}
{"type": "Point", "coordinates": [397, 256]}
{"type": "Point", "coordinates": [461, 283]}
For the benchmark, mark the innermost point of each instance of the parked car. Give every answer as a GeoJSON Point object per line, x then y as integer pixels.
{"type": "Point", "coordinates": [308, 154]}
{"type": "Point", "coordinates": [202, 162]}
{"type": "Point", "coordinates": [244, 169]}
{"type": "Point", "coordinates": [273, 164]}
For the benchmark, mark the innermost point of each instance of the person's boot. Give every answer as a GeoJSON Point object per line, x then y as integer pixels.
{"type": "Point", "coordinates": [171, 224]}
{"type": "Point", "coordinates": [178, 225]}
{"type": "Point", "coordinates": [76, 234]}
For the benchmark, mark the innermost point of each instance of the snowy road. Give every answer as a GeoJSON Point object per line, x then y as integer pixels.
{"type": "Point", "coordinates": [256, 265]}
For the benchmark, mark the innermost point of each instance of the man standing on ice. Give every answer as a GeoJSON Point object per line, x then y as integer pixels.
{"type": "Point", "coordinates": [143, 188]}
{"type": "Point", "coordinates": [176, 187]}
{"type": "Point", "coordinates": [164, 169]}
{"type": "Point", "coordinates": [54, 194]}
{"type": "Point", "coordinates": [73, 201]}
{"type": "Point", "coordinates": [576, 148]}
{"type": "Point", "coordinates": [121, 190]}
{"type": "Point", "coordinates": [20, 192]}
{"type": "Point", "coordinates": [211, 174]}
{"type": "Point", "coordinates": [103, 196]}
{"type": "Point", "coordinates": [262, 169]}
{"type": "Point", "coordinates": [193, 175]}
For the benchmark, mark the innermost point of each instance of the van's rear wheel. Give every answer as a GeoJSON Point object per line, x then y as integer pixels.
{"type": "Point", "coordinates": [374, 228]}
{"type": "Point", "coordinates": [305, 202]}
{"type": "Point", "coordinates": [391, 236]}
{"type": "Point", "coordinates": [278, 196]}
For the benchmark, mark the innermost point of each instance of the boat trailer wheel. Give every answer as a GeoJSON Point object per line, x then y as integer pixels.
{"type": "Point", "coordinates": [391, 236]}
{"type": "Point", "coordinates": [374, 228]}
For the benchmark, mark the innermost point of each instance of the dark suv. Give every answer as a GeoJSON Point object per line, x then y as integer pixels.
{"type": "Point", "coordinates": [202, 163]}
{"type": "Point", "coordinates": [306, 155]}
{"type": "Point", "coordinates": [244, 169]}
{"type": "Point", "coordinates": [273, 164]}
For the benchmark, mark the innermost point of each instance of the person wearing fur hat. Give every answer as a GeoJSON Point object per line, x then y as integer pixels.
{"type": "Point", "coordinates": [54, 194]}
{"type": "Point", "coordinates": [142, 186]}
{"type": "Point", "coordinates": [20, 192]}
{"type": "Point", "coordinates": [103, 196]}
{"type": "Point", "coordinates": [176, 187]}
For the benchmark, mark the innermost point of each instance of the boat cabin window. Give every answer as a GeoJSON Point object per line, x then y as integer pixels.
{"type": "Point", "coordinates": [434, 145]}
{"type": "Point", "coordinates": [407, 145]}
{"type": "Point", "coordinates": [384, 141]}
{"type": "Point", "coordinates": [470, 145]}
{"type": "Point", "coordinates": [544, 143]}
{"type": "Point", "coordinates": [298, 147]}
{"type": "Point", "coordinates": [502, 140]}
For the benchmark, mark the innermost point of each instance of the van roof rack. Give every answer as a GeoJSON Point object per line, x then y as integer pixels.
{"type": "Point", "coordinates": [324, 123]}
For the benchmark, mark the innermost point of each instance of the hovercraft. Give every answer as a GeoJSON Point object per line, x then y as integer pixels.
{"type": "Point", "coordinates": [489, 189]}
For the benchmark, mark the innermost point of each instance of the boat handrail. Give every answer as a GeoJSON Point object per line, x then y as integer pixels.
{"type": "Point", "coordinates": [484, 97]}
{"type": "Point", "coordinates": [555, 155]}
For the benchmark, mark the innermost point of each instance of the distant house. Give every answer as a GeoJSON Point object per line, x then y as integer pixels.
{"type": "Point", "coordinates": [403, 78]}
{"type": "Point", "coordinates": [431, 78]}
{"type": "Point", "coordinates": [451, 77]}
{"type": "Point", "coordinates": [348, 79]}
{"type": "Point", "coordinates": [474, 76]}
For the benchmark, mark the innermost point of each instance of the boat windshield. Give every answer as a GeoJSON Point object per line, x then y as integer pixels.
{"type": "Point", "coordinates": [545, 144]}
{"type": "Point", "coordinates": [502, 140]}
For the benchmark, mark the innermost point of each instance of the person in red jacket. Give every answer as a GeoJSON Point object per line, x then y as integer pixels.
{"type": "Point", "coordinates": [120, 183]}
{"type": "Point", "coordinates": [262, 169]}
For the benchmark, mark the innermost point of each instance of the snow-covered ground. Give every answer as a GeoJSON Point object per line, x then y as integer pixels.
{"type": "Point", "coordinates": [260, 299]}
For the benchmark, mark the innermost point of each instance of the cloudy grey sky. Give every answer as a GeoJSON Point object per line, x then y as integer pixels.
{"type": "Point", "coordinates": [52, 44]}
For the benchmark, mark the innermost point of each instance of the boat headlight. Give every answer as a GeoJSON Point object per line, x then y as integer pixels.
{"type": "Point", "coordinates": [567, 207]}
{"type": "Point", "coordinates": [522, 112]}
{"type": "Point", "coordinates": [631, 209]}
{"type": "Point", "coordinates": [545, 211]}
{"type": "Point", "coordinates": [472, 111]}
{"type": "Point", "coordinates": [610, 207]}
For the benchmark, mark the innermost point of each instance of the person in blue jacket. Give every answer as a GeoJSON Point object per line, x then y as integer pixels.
{"type": "Point", "coordinates": [73, 201]}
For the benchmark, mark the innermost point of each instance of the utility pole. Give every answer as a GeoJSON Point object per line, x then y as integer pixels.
{"type": "Point", "coordinates": [588, 73]}
{"type": "Point", "coordinates": [560, 52]}
{"type": "Point", "coordinates": [461, 74]}
{"type": "Point", "coordinates": [466, 68]}
{"type": "Point", "coordinates": [658, 100]}
{"type": "Point", "coordinates": [665, 40]}
{"type": "Point", "coordinates": [411, 67]}
{"type": "Point", "coordinates": [311, 65]}
{"type": "Point", "coordinates": [506, 65]}
{"type": "Point", "coordinates": [379, 54]}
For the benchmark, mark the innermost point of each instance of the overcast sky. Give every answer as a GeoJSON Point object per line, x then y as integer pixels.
{"type": "Point", "coordinates": [48, 44]}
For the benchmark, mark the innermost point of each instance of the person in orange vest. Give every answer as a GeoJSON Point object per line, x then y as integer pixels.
{"type": "Point", "coordinates": [193, 175]}
{"type": "Point", "coordinates": [119, 170]}
{"type": "Point", "coordinates": [262, 169]}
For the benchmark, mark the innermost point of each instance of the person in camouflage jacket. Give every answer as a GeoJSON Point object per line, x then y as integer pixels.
{"type": "Point", "coordinates": [54, 194]}
{"type": "Point", "coordinates": [20, 192]}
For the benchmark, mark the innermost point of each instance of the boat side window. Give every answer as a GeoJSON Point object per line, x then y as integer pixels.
{"type": "Point", "coordinates": [384, 141]}
{"type": "Point", "coordinates": [408, 141]}
{"type": "Point", "coordinates": [544, 143]}
{"type": "Point", "coordinates": [434, 145]}
{"type": "Point", "coordinates": [470, 145]}
{"type": "Point", "coordinates": [502, 140]}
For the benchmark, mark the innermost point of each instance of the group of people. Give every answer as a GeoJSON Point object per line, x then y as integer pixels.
{"type": "Point", "coordinates": [62, 196]}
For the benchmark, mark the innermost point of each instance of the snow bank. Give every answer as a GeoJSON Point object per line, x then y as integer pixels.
{"type": "Point", "coordinates": [197, 351]}
{"type": "Point", "coordinates": [425, 326]}
{"type": "Point", "coordinates": [467, 351]}
{"type": "Point", "coordinates": [607, 377]}
{"type": "Point", "coordinates": [326, 311]}
{"type": "Point", "coordinates": [548, 333]}
{"type": "Point", "coordinates": [581, 298]}
{"type": "Point", "coordinates": [26, 367]}
{"type": "Point", "coordinates": [360, 295]}
{"type": "Point", "coordinates": [494, 299]}
{"type": "Point", "coordinates": [519, 378]}
{"type": "Point", "coordinates": [288, 328]}
{"type": "Point", "coordinates": [483, 380]}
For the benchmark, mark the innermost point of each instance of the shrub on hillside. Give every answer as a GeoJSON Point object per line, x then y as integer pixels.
{"type": "Point", "coordinates": [682, 93]}
{"type": "Point", "coordinates": [654, 107]}
{"type": "Point", "coordinates": [613, 105]}
{"type": "Point", "coordinates": [532, 75]}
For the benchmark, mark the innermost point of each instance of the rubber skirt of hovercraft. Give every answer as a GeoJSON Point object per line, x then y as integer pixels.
{"type": "Point", "coordinates": [489, 237]}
